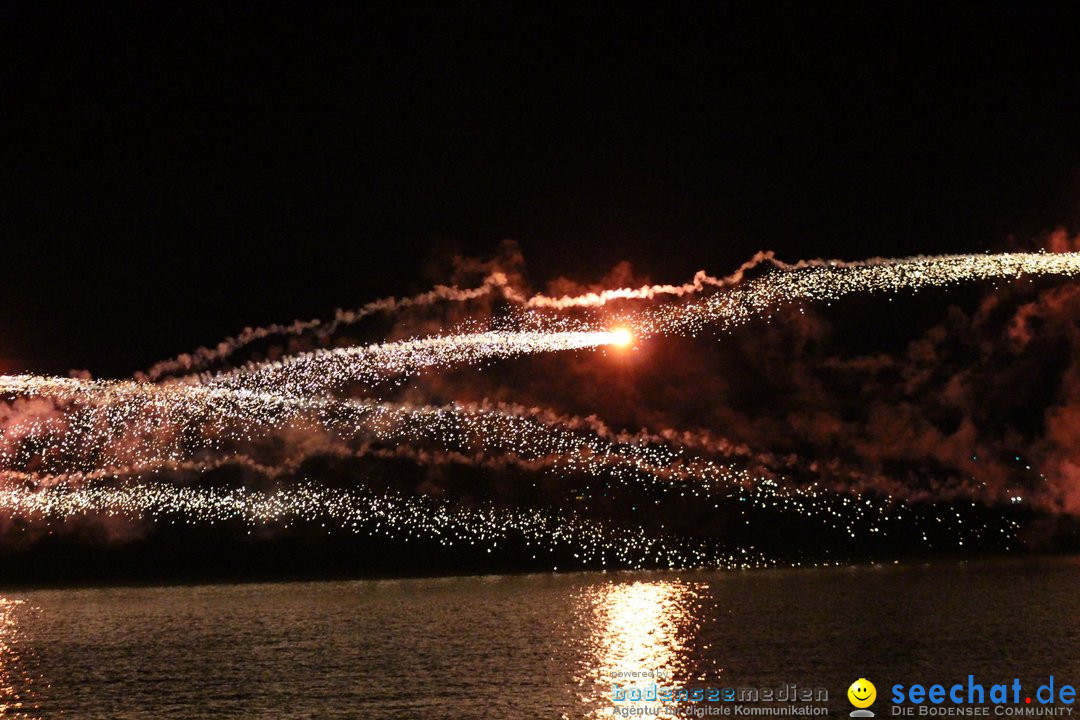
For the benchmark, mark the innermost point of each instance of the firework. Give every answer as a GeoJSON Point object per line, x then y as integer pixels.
{"type": "Point", "coordinates": [93, 431]}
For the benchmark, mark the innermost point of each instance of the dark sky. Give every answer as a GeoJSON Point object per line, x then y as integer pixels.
{"type": "Point", "coordinates": [171, 172]}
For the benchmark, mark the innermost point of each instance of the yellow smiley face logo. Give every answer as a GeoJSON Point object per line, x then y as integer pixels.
{"type": "Point", "coordinates": [862, 693]}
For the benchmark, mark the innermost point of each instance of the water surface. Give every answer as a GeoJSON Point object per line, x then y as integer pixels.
{"type": "Point", "coordinates": [527, 646]}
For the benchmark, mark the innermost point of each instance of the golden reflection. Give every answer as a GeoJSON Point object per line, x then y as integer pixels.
{"type": "Point", "coordinates": [18, 684]}
{"type": "Point", "coordinates": [639, 642]}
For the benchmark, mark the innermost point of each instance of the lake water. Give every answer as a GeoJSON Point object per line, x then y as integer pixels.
{"type": "Point", "coordinates": [540, 646]}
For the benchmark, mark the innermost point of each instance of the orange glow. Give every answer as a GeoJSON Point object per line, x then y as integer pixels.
{"type": "Point", "coordinates": [638, 627]}
{"type": "Point", "coordinates": [621, 337]}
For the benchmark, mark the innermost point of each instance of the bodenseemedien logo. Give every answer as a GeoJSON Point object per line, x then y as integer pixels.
{"type": "Point", "coordinates": [862, 694]}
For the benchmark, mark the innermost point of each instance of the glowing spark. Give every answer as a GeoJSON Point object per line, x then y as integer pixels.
{"type": "Point", "coordinates": [95, 431]}
{"type": "Point", "coordinates": [622, 337]}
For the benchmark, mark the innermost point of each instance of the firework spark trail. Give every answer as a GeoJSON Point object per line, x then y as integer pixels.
{"type": "Point", "coordinates": [386, 515]}
{"type": "Point", "coordinates": [107, 411]}
{"type": "Point", "coordinates": [203, 357]}
{"type": "Point", "coordinates": [133, 404]}
{"type": "Point", "coordinates": [265, 404]}
{"type": "Point", "coordinates": [495, 282]}
{"type": "Point", "coordinates": [486, 435]}
{"type": "Point", "coordinates": [829, 280]}
{"type": "Point", "coordinates": [483, 435]}
{"type": "Point", "coordinates": [813, 279]}
{"type": "Point", "coordinates": [273, 395]}
{"type": "Point", "coordinates": [700, 282]}
{"type": "Point", "coordinates": [77, 494]}
{"type": "Point", "coordinates": [323, 371]}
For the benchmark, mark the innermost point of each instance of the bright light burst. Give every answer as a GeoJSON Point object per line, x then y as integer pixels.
{"type": "Point", "coordinates": [56, 456]}
{"type": "Point", "coordinates": [621, 337]}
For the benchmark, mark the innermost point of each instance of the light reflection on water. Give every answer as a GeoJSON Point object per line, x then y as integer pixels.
{"type": "Point", "coordinates": [526, 646]}
{"type": "Point", "coordinates": [638, 627]}
{"type": "Point", "coordinates": [18, 682]}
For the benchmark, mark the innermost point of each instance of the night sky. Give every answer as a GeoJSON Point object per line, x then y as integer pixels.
{"type": "Point", "coordinates": [172, 172]}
